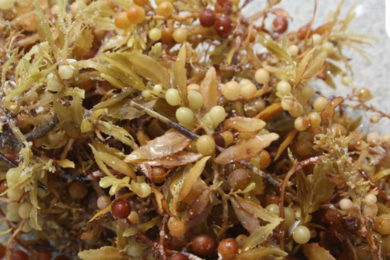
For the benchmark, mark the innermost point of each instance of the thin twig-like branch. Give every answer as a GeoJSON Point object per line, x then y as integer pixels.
{"type": "Point", "coordinates": [8, 161]}
{"type": "Point", "coordinates": [370, 108]}
{"type": "Point", "coordinates": [164, 119]}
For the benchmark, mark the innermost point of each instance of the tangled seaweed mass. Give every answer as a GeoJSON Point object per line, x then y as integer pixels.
{"type": "Point", "coordinates": [185, 130]}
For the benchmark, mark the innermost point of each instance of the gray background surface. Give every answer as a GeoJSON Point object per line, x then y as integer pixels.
{"type": "Point", "coordinates": [370, 19]}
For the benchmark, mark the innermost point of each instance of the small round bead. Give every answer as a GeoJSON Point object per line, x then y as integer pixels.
{"type": "Point", "coordinates": [223, 25]}
{"type": "Point", "coordinates": [3, 186]}
{"type": "Point", "coordinates": [327, 46]}
{"type": "Point", "coordinates": [180, 35]}
{"type": "Point", "coordinates": [55, 9]}
{"type": "Point", "coordinates": [178, 256]}
{"type": "Point", "coordinates": [136, 14]}
{"type": "Point", "coordinates": [172, 97]}
{"type": "Point", "coordinates": [109, 4]}
{"type": "Point", "coordinates": [382, 224]}
{"type": "Point", "coordinates": [32, 98]}
{"type": "Point", "coordinates": [195, 99]}
{"type": "Point", "coordinates": [287, 103]}
{"type": "Point", "coordinates": [146, 94]}
{"type": "Point", "coordinates": [103, 201]}
{"type": "Point", "coordinates": [15, 193]}
{"type": "Point", "coordinates": [248, 90]}
{"type": "Point", "coordinates": [225, 8]}
{"type": "Point", "coordinates": [73, 8]}
{"type": "Point", "coordinates": [134, 217]}
{"type": "Point", "coordinates": [155, 34]}
{"type": "Point", "coordinates": [304, 148]}
{"type": "Point", "coordinates": [185, 116]}
{"type": "Point", "coordinates": [177, 228]}
{"type": "Point", "coordinates": [29, 24]}
{"type": "Point", "coordinates": [346, 81]}
{"type": "Point", "coordinates": [229, 137]}
{"type": "Point", "coordinates": [158, 88]}
{"type": "Point", "coordinates": [301, 235]}
{"type": "Point", "coordinates": [66, 71]}
{"type": "Point", "coordinates": [231, 90]}
{"type": "Point", "coordinates": [219, 141]}
{"type": "Point", "coordinates": [13, 217]}
{"type": "Point", "coordinates": [145, 190]}
{"type": "Point", "coordinates": [205, 145]}
{"type": "Point", "coordinates": [386, 138]}
{"type": "Point", "coordinates": [333, 217]}
{"type": "Point", "coordinates": [25, 210]}
{"type": "Point", "coordinates": [307, 92]}
{"type": "Point", "coordinates": [19, 255]}
{"type": "Point", "coordinates": [346, 204]}
{"type": "Point", "coordinates": [303, 31]}
{"type": "Point", "coordinates": [121, 21]}
{"type": "Point", "coordinates": [166, 34]}
{"type": "Point", "coordinates": [5, 5]}
{"type": "Point", "coordinates": [13, 175]}
{"type": "Point", "coordinates": [120, 208]}
{"type": "Point", "coordinates": [239, 179]}
{"type": "Point", "coordinates": [262, 76]}
{"type": "Point", "coordinates": [207, 18]}
{"type": "Point", "coordinates": [13, 207]}
{"type": "Point", "coordinates": [217, 114]}
{"type": "Point", "coordinates": [364, 94]}
{"type": "Point", "coordinates": [370, 199]}
{"type": "Point", "coordinates": [193, 87]}
{"type": "Point", "coordinates": [289, 217]}
{"type": "Point", "coordinates": [78, 190]}
{"type": "Point", "coordinates": [370, 210]}
{"type": "Point", "coordinates": [301, 123]}
{"type": "Point", "coordinates": [280, 24]}
{"type": "Point", "coordinates": [241, 240]}
{"type": "Point", "coordinates": [203, 244]}
{"type": "Point", "coordinates": [273, 208]}
{"type": "Point", "coordinates": [375, 119]}
{"type": "Point", "coordinates": [315, 119]}
{"type": "Point", "coordinates": [265, 159]}
{"type": "Point", "coordinates": [283, 87]}
{"type": "Point", "coordinates": [317, 39]}
{"type": "Point", "coordinates": [53, 83]}
{"type": "Point", "coordinates": [320, 104]}
{"type": "Point", "coordinates": [293, 50]}
{"type": "Point", "coordinates": [44, 255]}
{"type": "Point", "coordinates": [296, 110]}
{"type": "Point", "coordinates": [158, 174]}
{"type": "Point", "coordinates": [373, 139]}
{"type": "Point", "coordinates": [228, 248]}
{"type": "Point", "coordinates": [338, 130]}
{"type": "Point", "coordinates": [165, 9]}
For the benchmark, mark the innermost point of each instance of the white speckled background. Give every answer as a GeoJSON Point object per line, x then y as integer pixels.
{"type": "Point", "coordinates": [370, 19]}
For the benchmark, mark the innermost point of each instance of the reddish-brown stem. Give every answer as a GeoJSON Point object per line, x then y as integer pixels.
{"type": "Point", "coordinates": [373, 185]}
